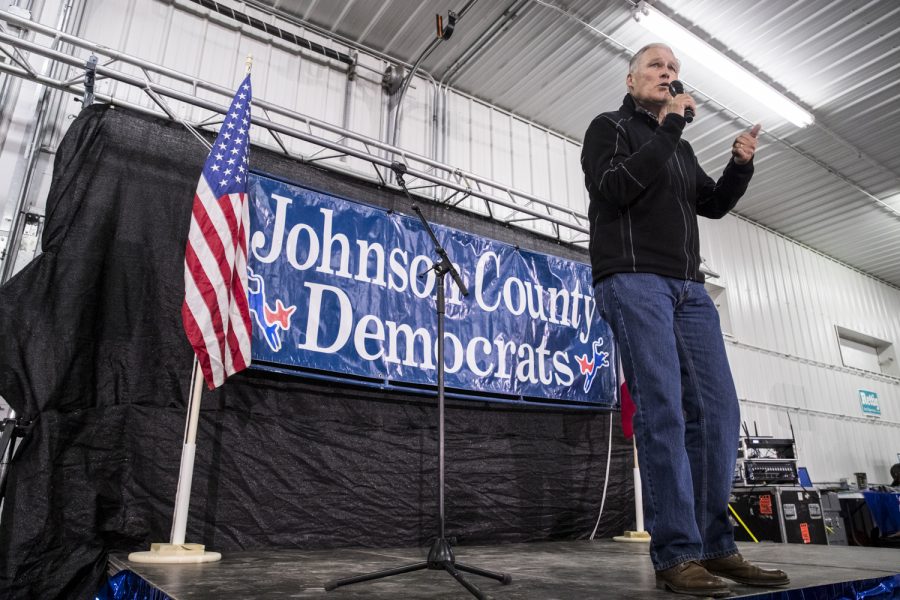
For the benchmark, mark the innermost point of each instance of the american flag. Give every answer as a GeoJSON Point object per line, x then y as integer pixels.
{"type": "Point", "coordinates": [626, 405]}
{"type": "Point", "coordinates": [215, 311]}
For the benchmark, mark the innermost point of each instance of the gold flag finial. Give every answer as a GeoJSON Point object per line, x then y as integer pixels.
{"type": "Point", "coordinates": [249, 62]}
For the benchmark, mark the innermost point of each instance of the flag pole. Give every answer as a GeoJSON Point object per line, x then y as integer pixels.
{"type": "Point", "coordinates": [188, 451]}
{"type": "Point", "coordinates": [626, 402]}
{"type": "Point", "coordinates": [638, 491]}
{"type": "Point", "coordinates": [177, 551]}
{"type": "Point", "coordinates": [639, 535]}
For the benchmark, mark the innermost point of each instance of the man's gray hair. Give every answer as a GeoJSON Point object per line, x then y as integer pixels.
{"type": "Point", "coordinates": [633, 63]}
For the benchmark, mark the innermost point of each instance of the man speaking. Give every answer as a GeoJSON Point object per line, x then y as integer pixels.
{"type": "Point", "coordinates": [646, 190]}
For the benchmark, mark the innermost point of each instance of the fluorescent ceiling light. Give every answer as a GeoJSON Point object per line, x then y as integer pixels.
{"type": "Point", "coordinates": [686, 42]}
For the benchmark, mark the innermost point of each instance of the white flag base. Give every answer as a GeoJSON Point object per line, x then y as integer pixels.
{"type": "Point", "coordinates": [175, 553]}
{"type": "Point", "coordinates": [641, 537]}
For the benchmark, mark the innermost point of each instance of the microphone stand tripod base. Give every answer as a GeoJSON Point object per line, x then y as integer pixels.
{"type": "Point", "coordinates": [633, 537]}
{"type": "Point", "coordinates": [175, 554]}
{"type": "Point", "coordinates": [440, 557]}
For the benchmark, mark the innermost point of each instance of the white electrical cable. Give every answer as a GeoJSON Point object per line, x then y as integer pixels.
{"type": "Point", "coordinates": [605, 479]}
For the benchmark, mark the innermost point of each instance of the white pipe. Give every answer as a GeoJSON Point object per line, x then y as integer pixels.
{"type": "Point", "coordinates": [638, 501]}
{"type": "Point", "coordinates": [605, 478]}
{"type": "Point", "coordinates": [638, 493]}
{"type": "Point", "coordinates": [183, 495]}
{"type": "Point", "coordinates": [186, 474]}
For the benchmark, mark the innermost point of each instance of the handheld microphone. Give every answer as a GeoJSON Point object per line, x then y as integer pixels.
{"type": "Point", "coordinates": [675, 88]}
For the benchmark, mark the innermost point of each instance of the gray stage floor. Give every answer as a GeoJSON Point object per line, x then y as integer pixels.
{"type": "Point", "coordinates": [540, 571]}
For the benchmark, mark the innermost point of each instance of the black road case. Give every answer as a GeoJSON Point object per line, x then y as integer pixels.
{"type": "Point", "coordinates": [779, 513]}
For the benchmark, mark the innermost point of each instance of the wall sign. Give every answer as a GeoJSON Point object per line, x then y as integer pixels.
{"type": "Point", "coordinates": [869, 402]}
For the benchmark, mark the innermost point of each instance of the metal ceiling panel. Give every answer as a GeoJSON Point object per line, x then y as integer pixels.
{"type": "Point", "coordinates": [560, 63]}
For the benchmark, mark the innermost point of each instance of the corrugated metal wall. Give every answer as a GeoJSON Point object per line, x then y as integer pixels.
{"type": "Point", "coordinates": [509, 150]}
{"type": "Point", "coordinates": [24, 134]}
{"type": "Point", "coordinates": [784, 300]}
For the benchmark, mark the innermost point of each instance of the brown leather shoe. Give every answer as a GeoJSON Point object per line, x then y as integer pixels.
{"type": "Point", "coordinates": [691, 578]}
{"type": "Point", "coordinates": [737, 568]}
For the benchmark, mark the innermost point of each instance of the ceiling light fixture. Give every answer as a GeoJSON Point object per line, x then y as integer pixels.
{"type": "Point", "coordinates": [684, 41]}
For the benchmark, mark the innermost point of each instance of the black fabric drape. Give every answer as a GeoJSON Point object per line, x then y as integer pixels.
{"type": "Point", "coordinates": [93, 355]}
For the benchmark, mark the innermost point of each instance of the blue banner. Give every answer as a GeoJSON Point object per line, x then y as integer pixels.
{"type": "Point", "coordinates": [346, 288]}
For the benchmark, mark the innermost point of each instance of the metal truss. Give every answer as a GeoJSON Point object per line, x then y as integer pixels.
{"type": "Point", "coordinates": [444, 183]}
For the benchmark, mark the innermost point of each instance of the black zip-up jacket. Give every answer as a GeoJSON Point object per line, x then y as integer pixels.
{"type": "Point", "coordinates": [646, 190]}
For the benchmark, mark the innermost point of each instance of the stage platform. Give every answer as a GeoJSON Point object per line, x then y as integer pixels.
{"type": "Point", "coordinates": [540, 571]}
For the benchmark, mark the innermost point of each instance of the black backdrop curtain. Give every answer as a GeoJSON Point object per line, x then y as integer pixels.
{"type": "Point", "coordinates": [93, 355]}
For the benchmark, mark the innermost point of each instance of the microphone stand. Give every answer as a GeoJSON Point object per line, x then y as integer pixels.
{"type": "Point", "coordinates": [440, 555]}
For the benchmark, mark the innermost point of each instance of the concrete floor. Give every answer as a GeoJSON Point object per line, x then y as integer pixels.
{"type": "Point", "coordinates": [545, 571]}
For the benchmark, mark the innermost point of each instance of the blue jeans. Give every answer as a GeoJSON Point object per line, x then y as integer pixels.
{"type": "Point", "coordinates": [688, 417]}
